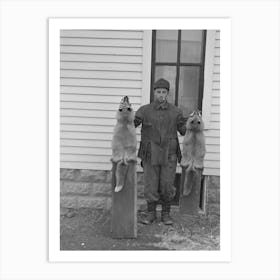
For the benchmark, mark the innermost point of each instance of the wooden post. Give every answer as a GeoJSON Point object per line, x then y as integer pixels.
{"type": "Point", "coordinates": [124, 205]}
{"type": "Point", "coordinates": [189, 204]}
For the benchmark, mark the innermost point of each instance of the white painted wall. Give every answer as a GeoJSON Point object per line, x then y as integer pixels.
{"type": "Point", "coordinates": [97, 69]}
{"type": "Point", "coordinates": [211, 103]}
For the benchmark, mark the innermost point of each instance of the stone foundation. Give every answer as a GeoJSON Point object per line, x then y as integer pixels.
{"type": "Point", "coordinates": [212, 194]}
{"type": "Point", "coordinates": [92, 189]}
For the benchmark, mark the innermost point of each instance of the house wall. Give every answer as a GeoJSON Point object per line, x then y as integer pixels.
{"type": "Point", "coordinates": [211, 103]}
{"type": "Point", "coordinates": [97, 69]}
{"type": "Point", "coordinates": [84, 188]}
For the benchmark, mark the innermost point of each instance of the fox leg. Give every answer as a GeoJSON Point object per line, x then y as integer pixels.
{"type": "Point", "coordinates": [116, 157]}
{"type": "Point", "coordinates": [188, 182]}
{"type": "Point", "coordinates": [130, 156]}
{"type": "Point", "coordinates": [121, 172]}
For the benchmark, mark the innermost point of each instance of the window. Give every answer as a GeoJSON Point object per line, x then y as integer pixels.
{"type": "Point", "coordinates": [178, 56]}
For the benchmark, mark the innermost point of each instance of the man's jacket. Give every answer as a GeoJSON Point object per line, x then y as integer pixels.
{"type": "Point", "coordinates": [159, 139]}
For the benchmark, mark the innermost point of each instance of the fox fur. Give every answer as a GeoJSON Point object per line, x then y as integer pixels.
{"type": "Point", "coordinates": [193, 149]}
{"type": "Point", "coordinates": [123, 142]}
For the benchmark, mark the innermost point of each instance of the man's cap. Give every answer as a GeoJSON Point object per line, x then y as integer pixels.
{"type": "Point", "coordinates": [161, 83]}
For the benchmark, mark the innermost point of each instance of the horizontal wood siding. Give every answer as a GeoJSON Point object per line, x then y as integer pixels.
{"type": "Point", "coordinates": [97, 68]}
{"type": "Point", "coordinates": [212, 159]}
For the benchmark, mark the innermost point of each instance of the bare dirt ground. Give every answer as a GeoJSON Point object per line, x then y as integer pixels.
{"type": "Point", "coordinates": [88, 229]}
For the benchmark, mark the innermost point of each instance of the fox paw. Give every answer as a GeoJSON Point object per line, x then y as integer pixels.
{"type": "Point", "coordinates": [132, 159]}
{"type": "Point", "coordinates": [184, 163]}
{"type": "Point", "coordinates": [118, 188]}
{"type": "Point", "coordinates": [115, 159]}
{"type": "Point", "coordinates": [124, 161]}
{"type": "Point", "coordinates": [128, 160]}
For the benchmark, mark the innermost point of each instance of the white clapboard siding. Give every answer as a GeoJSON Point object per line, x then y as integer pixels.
{"type": "Point", "coordinates": [100, 42]}
{"type": "Point", "coordinates": [89, 105]}
{"type": "Point", "coordinates": [89, 113]}
{"type": "Point", "coordinates": [98, 98]}
{"type": "Point", "coordinates": [76, 65]}
{"type": "Point", "coordinates": [105, 75]}
{"type": "Point", "coordinates": [82, 143]}
{"type": "Point", "coordinates": [89, 82]}
{"type": "Point", "coordinates": [105, 91]}
{"type": "Point", "coordinates": [97, 68]}
{"type": "Point", "coordinates": [212, 158]}
{"type": "Point", "coordinates": [89, 128]}
{"type": "Point", "coordinates": [106, 50]}
{"type": "Point", "coordinates": [88, 135]}
{"type": "Point", "coordinates": [86, 121]}
{"type": "Point", "coordinates": [107, 34]}
{"type": "Point", "coordinates": [100, 58]}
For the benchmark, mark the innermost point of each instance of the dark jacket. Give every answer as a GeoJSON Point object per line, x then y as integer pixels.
{"type": "Point", "coordinates": [160, 123]}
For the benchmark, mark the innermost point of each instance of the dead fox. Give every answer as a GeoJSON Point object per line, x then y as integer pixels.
{"type": "Point", "coordinates": [193, 149]}
{"type": "Point", "coordinates": [123, 142]}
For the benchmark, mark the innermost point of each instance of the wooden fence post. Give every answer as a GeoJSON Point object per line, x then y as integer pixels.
{"type": "Point", "coordinates": [124, 205]}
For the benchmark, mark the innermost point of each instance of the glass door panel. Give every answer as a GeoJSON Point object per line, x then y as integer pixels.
{"type": "Point", "coordinates": [191, 44]}
{"type": "Point", "coordinates": [188, 89]}
{"type": "Point", "coordinates": [166, 45]}
{"type": "Point", "coordinates": [168, 73]}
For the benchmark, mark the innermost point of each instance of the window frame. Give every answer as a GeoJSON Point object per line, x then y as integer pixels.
{"type": "Point", "coordinates": [201, 65]}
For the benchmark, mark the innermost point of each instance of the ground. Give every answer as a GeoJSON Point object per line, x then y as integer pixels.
{"type": "Point", "coordinates": [88, 229]}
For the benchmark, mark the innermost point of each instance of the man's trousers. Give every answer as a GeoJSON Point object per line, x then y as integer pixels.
{"type": "Point", "coordinates": [159, 180]}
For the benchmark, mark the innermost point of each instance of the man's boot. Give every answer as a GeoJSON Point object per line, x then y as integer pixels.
{"type": "Point", "coordinates": [151, 216]}
{"type": "Point", "coordinates": [165, 214]}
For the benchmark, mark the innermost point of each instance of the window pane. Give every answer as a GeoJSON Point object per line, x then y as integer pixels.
{"type": "Point", "coordinates": [168, 73]}
{"type": "Point", "coordinates": [191, 44]}
{"type": "Point", "coordinates": [188, 89]}
{"type": "Point", "coordinates": [166, 45]}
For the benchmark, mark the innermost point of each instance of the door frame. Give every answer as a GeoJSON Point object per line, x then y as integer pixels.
{"type": "Point", "coordinates": [201, 66]}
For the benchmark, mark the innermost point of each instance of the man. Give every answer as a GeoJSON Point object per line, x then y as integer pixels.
{"type": "Point", "coordinates": [159, 150]}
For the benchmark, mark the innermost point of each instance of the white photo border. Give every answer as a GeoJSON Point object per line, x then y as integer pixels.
{"type": "Point", "coordinates": [57, 255]}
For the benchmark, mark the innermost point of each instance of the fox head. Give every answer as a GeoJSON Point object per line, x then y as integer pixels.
{"type": "Point", "coordinates": [125, 112]}
{"type": "Point", "coordinates": [194, 121]}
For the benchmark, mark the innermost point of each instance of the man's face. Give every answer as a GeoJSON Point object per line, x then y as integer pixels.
{"type": "Point", "coordinates": [160, 94]}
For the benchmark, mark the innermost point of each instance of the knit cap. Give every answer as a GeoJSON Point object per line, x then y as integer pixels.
{"type": "Point", "coordinates": [162, 83]}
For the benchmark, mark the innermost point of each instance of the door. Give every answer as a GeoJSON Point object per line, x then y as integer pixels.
{"type": "Point", "coordinates": [178, 56]}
